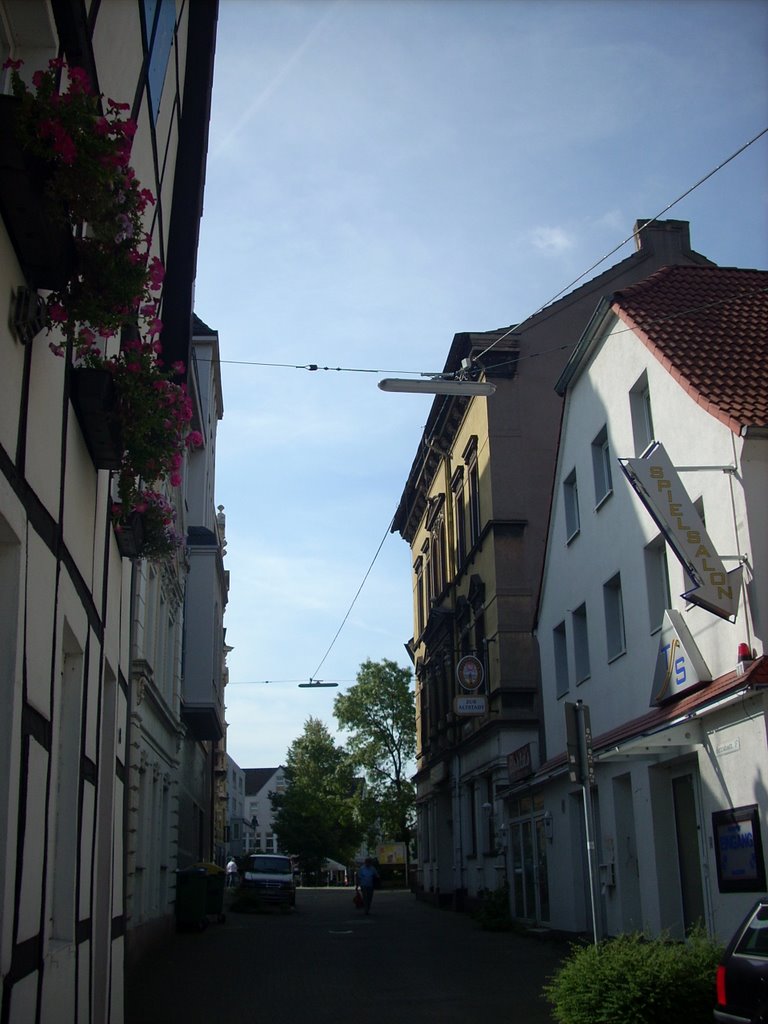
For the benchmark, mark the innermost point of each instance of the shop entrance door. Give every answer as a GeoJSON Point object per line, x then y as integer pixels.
{"type": "Point", "coordinates": [688, 851]}
{"type": "Point", "coordinates": [530, 883]}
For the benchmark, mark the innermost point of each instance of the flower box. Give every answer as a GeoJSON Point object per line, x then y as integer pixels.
{"type": "Point", "coordinates": [130, 535]}
{"type": "Point", "coordinates": [92, 391]}
{"type": "Point", "coordinates": [44, 247]}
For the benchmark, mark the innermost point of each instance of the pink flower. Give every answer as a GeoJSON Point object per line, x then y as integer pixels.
{"type": "Point", "coordinates": [118, 106]}
{"type": "Point", "coordinates": [155, 327]}
{"type": "Point", "coordinates": [79, 80]}
{"type": "Point", "coordinates": [57, 313]}
{"type": "Point", "coordinates": [156, 272]}
{"type": "Point", "coordinates": [178, 367]}
{"type": "Point", "coordinates": [175, 479]}
{"type": "Point", "coordinates": [194, 439]}
{"type": "Point", "coordinates": [37, 79]}
{"type": "Point", "coordinates": [14, 65]}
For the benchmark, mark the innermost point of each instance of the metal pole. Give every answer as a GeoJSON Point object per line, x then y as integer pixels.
{"type": "Point", "coordinates": [589, 817]}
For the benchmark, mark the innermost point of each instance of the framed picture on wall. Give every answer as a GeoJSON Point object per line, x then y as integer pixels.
{"type": "Point", "coordinates": [739, 850]}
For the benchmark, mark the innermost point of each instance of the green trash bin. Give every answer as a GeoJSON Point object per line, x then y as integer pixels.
{"type": "Point", "coordinates": [191, 898]}
{"type": "Point", "coordinates": [215, 878]}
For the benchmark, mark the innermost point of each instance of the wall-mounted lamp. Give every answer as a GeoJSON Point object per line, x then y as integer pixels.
{"type": "Point", "coordinates": [438, 386]}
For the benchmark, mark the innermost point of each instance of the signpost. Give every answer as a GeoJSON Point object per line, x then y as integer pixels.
{"type": "Point", "coordinates": [581, 769]}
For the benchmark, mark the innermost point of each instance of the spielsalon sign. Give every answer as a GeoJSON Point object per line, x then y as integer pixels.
{"type": "Point", "coordinates": [657, 484]}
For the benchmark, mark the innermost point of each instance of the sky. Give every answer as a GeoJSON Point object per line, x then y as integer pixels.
{"type": "Point", "coordinates": [383, 174]}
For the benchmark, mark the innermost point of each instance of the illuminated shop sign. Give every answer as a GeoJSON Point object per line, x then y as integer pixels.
{"type": "Point", "coordinates": [657, 484]}
{"type": "Point", "coordinates": [679, 665]}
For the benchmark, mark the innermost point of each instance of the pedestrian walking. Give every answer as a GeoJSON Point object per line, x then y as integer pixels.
{"type": "Point", "coordinates": [367, 881]}
{"type": "Point", "coordinates": [231, 872]}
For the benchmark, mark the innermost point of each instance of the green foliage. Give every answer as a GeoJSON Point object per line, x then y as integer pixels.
{"type": "Point", "coordinates": [317, 817]}
{"type": "Point", "coordinates": [492, 913]}
{"type": "Point", "coordinates": [379, 714]}
{"type": "Point", "coordinates": [634, 980]}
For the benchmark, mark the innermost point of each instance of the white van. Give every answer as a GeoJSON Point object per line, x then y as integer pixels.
{"type": "Point", "coordinates": [271, 876]}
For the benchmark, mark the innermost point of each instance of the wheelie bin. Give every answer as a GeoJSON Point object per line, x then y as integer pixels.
{"type": "Point", "coordinates": [214, 891]}
{"type": "Point", "coordinates": [191, 898]}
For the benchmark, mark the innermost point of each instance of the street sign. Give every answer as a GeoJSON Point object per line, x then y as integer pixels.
{"type": "Point", "coordinates": [578, 743]}
{"type": "Point", "coordinates": [470, 705]}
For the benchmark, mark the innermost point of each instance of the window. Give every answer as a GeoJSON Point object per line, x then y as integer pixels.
{"type": "Point", "coordinates": [419, 571]}
{"type": "Point", "coordinates": [562, 684]}
{"type": "Point", "coordinates": [457, 486]}
{"type": "Point", "coordinates": [601, 465]}
{"type": "Point", "coordinates": [571, 501]}
{"type": "Point", "coordinates": [657, 582]}
{"type": "Point", "coordinates": [640, 413]}
{"type": "Point", "coordinates": [614, 617]}
{"type": "Point", "coordinates": [160, 25]}
{"type": "Point", "coordinates": [470, 459]}
{"type": "Point", "coordinates": [580, 644]}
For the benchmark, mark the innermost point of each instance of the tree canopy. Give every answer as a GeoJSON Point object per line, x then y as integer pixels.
{"type": "Point", "coordinates": [379, 715]}
{"type": "Point", "coordinates": [317, 816]}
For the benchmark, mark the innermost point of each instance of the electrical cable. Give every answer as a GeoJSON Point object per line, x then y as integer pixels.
{"type": "Point", "coordinates": [354, 600]}
{"type": "Point", "coordinates": [616, 248]}
{"type": "Point", "coordinates": [518, 326]}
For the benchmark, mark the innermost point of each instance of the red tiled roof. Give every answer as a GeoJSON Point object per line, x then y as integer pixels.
{"type": "Point", "coordinates": [708, 326]}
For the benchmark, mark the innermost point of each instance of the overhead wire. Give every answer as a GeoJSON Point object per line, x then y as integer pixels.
{"type": "Point", "coordinates": [354, 600]}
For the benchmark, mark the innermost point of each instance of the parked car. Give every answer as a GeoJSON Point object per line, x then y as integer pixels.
{"type": "Point", "coordinates": [271, 876]}
{"type": "Point", "coordinates": [742, 975]}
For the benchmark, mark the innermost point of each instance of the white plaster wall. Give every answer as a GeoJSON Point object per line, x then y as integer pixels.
{"type": "Point", "coordinates": [34, 848]}
{"type": "Point", "coordinates": [612, 538]}
{"type": "Point", "coordinates": [43, 465]}
{"type": "Point", "coordinates": [41, 595]}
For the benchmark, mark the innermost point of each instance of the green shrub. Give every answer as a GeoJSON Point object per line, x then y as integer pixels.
{"type": "Point", "coordinates": [492, 913]}
{"type": "Point", "coordinates": [635, 980]}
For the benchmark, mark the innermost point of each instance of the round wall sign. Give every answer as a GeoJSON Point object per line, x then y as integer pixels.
{"type": "Point", "coordinates": [469, 672]}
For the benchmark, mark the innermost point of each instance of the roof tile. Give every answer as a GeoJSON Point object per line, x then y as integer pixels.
{"type": "Point", "coordinates": [709, 327]}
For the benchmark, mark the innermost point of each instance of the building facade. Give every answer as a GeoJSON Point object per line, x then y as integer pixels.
{"type": "Point", "coordinates": [69, 597]}
{"type": "Point", "coordinates": [176, 727]}
{"type": "Point", "coordinates": [653, 616]}
{"type": "Point", "coordinates": [474, 512]}
{"type": "Point", "coordinates": [260, 783]}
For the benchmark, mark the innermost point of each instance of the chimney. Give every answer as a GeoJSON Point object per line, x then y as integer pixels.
{"type": "Point", "coordinates": [667, 239]}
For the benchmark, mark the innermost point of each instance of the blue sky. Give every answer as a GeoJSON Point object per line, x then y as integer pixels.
{"type": "Point", "coordinates": [383, 174]}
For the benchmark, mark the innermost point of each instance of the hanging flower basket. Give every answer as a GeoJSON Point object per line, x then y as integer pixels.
{"type": "Point", "coordinates": [129, 531]}
{"type": "Point", "coordinates": [92, 390]}
{"type": "Point", "coordinates": [43, 244]}
{"type": "Point", "coordinates": [148, 528]}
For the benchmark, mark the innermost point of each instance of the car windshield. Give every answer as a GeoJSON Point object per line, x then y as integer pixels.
{"type": "Point", "coordinates": [754, 941]}
{"type": "Point", "coordinates": [271, 865]}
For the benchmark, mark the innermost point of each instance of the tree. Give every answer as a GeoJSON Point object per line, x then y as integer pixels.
{"type": "Point", "coordinates": [316, 817]}
{"type": "Point", "coordinates": [379, 714]}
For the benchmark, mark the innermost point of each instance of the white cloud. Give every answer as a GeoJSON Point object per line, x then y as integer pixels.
{"type": "Point", "coordinates": [555, 240]}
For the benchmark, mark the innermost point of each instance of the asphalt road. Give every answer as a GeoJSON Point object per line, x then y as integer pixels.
{"type": "Point", "coordinates": [326, 963]}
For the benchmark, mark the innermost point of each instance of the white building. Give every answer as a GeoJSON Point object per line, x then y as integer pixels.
{"type": "Point", "coordinates": [259, 784]}
{"type": "Point", "coordinates": [678, 734]}
{"type": "Point", "coordinates": [67, 594]}
{"type": "Point", "coordinates": [240, 831]}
